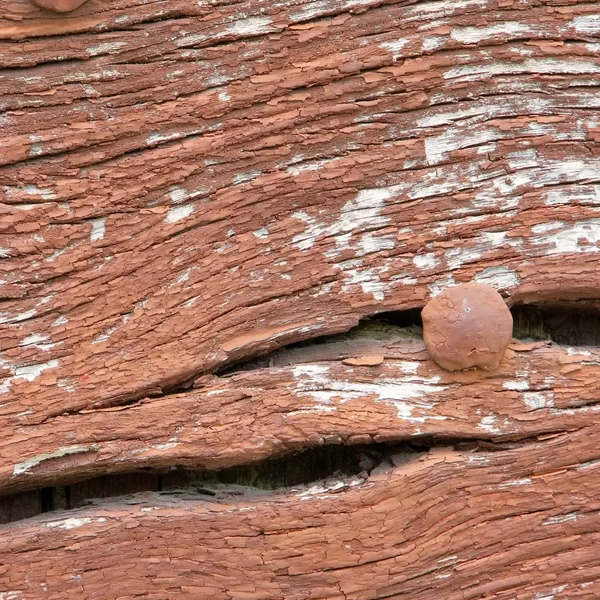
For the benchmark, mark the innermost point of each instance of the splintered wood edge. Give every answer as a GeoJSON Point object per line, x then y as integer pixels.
{"type": "Point", "coordinates": [264, 413]}
{"type": "Point", "coordinates": [451, 525]}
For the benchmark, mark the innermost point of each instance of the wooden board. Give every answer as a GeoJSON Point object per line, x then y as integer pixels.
{"type": "Point", "coordinates": [188, 185]}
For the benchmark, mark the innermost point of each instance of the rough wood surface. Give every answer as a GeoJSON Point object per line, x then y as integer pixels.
{"type": "Point", "coordinates": [187, 184]}
{"type": "Point", "coordinates": [258, 414]}
{"type": "Point", "coordinates": [172, 206]}
{"type": "Point", "coordinates": [523, 523]}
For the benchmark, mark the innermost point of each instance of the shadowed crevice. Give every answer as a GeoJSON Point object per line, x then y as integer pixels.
{"type": "Point", "coordinates": [330, 466]}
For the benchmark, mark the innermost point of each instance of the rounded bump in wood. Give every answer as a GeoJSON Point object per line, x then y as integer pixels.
{"type": "Point", "coordinates": [466, 326]}
{"type": "Point", "coordinates": [60, 6]}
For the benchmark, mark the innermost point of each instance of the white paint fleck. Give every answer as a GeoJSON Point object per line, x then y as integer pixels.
{"type": "Point", "coordinates": [157, 137]}
{"type": "Point", "coordinates": [516, 482]}
{"type": "Point", "coordinates": [527, 159]}
{"type": "Point", "coordinates": [165, 446]}
{"type": "Point", "coordinates": [546, 227]}
{"type": "Point", "coordinates": [56, 254]}
{"type": "Point", "coordinates": [45, 193]}
{"type": "Point", "coordinates": [62, 320]}
{"type": "Point", "coordinates": [404, 280]}
{"type": "Point", "coordinates": [28, 372]}
{"type": "Point", "coordinates": [105, 48]}
{"type": "Point", "coordinates": [438, 147]}
{"type": "Point", "coordinates": [5, 318]}
{"type": "Point", "coordinates": [432, 42]}
{"type": "Point", "coordinates": [425, 261]}
{"type": "Point", "coordinates": [315, 372]}
{"type": "Point", "coordinates": [179, 213]}
{"type": "Point", "coordinates": [457, 257]}
{"type": "Point", "coordinates": [474, 35]}
{"type": "Point", "coordinates": [561, 519]}
{"type": "Point", "coordinates": [516, 385]}
{"type": "Point", "coordinates": [177, 194]}
{"type": "Point", "coordinates": [37, 340]}
{"type": "Point", "coordinates": [184, 276]}
{"type": "Point", "coordinates": [28, 206]}
{"type": "Point", "coordinates": [440, 285]}
{"type": "Point", "coordinates": [552, 594]}
{"type": "Point", "coordinates": [250, 26]}
{"type": "Point", "coordinates": [33, 339]}
{"type": "Point", "coordinates": [220, 248]}
{"type": "Point", "coordinates": [242, 177]}
{"type": "Point", "coordinates": [391, 391]}
{"type": "Point", "coordinates": [578, 352]}
{"type": "Point", "coordinates": [32, 372]}
{"type": "Point", "coordinates": [106, 335]}
{"type": "Point", "coordinates": [489, 424]}
{"type": "Point", "coordinates": [394, 47]}
{"type": "Point", "coordinates": [529, 65]}
{"type": "Point", "coordinates": [310, 10]}
{"type": "Point", "coordinates": [474, 458]}
{"type": "Point", "coordinates": [263, 232]}
{"type": "Point", "coordinates": [74, 523]}
{"type": "Point", "coordinates": [589, 24]}
{"type": "Point", "coordinates": [360, 213]}
{"type": "Point", "coordinates": [66, 384]}
{"type": "Point", "coordinates": [409, 366]}
{"type": "Point", "coordinates": [437, 10]}
{"type": "Point", "coordinates": [369, 242]}
{"type": "Point", "coordinates": [570, 238]}
{"type": "Point", "coordinates": [368, 279]}
{"type": "Point", "coordinates": [36, 149]}
{"type": "Point", "coordinates": [5, 252]}
{"type": "Point", "coordinates": [447, 117]}
{"type": "Point", "coordinates": [537, 400]}
{"type": "Point", "coordinates": [314, 165]}
{"type": "Point", "coordinates": [500, 278]}
{"type": "Point", "coordinates": [98, 228]}
{"type": "Point", "coordinates": [28, 464]}
{"type": "Point", "coordinates": [494, 238]}
{"type": "Point", "coordinates": [319, 489]}
{"type": "Point", "coordinates": [584, 194]}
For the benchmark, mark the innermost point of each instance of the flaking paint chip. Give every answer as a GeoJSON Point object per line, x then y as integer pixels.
{"type": "Point", "coordinates": [364, 361]}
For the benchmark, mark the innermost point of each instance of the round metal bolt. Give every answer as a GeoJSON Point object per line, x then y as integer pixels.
{"type": "Point", "coordinates": [468, 325]}
{"type": "Point", "coordinates": [60, 6]}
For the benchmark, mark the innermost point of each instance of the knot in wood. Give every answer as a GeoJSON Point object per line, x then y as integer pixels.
{"type": "Point", "coordinates": [468, 325]}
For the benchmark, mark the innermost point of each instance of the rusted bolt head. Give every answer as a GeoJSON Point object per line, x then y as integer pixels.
{"type": "Point", "coordinates": [468, 325]}
{"type": "Point", "coordinates": [61, 6]}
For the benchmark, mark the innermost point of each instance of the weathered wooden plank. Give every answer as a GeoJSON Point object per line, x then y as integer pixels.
{"type": "Point", "coordinates": [185, 184]}
{"type": "Point", "coordinates": [151, 237]}
{"type": "Point", "coordinates": [317, 399]}
{"type": "Point", "coordinates": [522, 523]}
